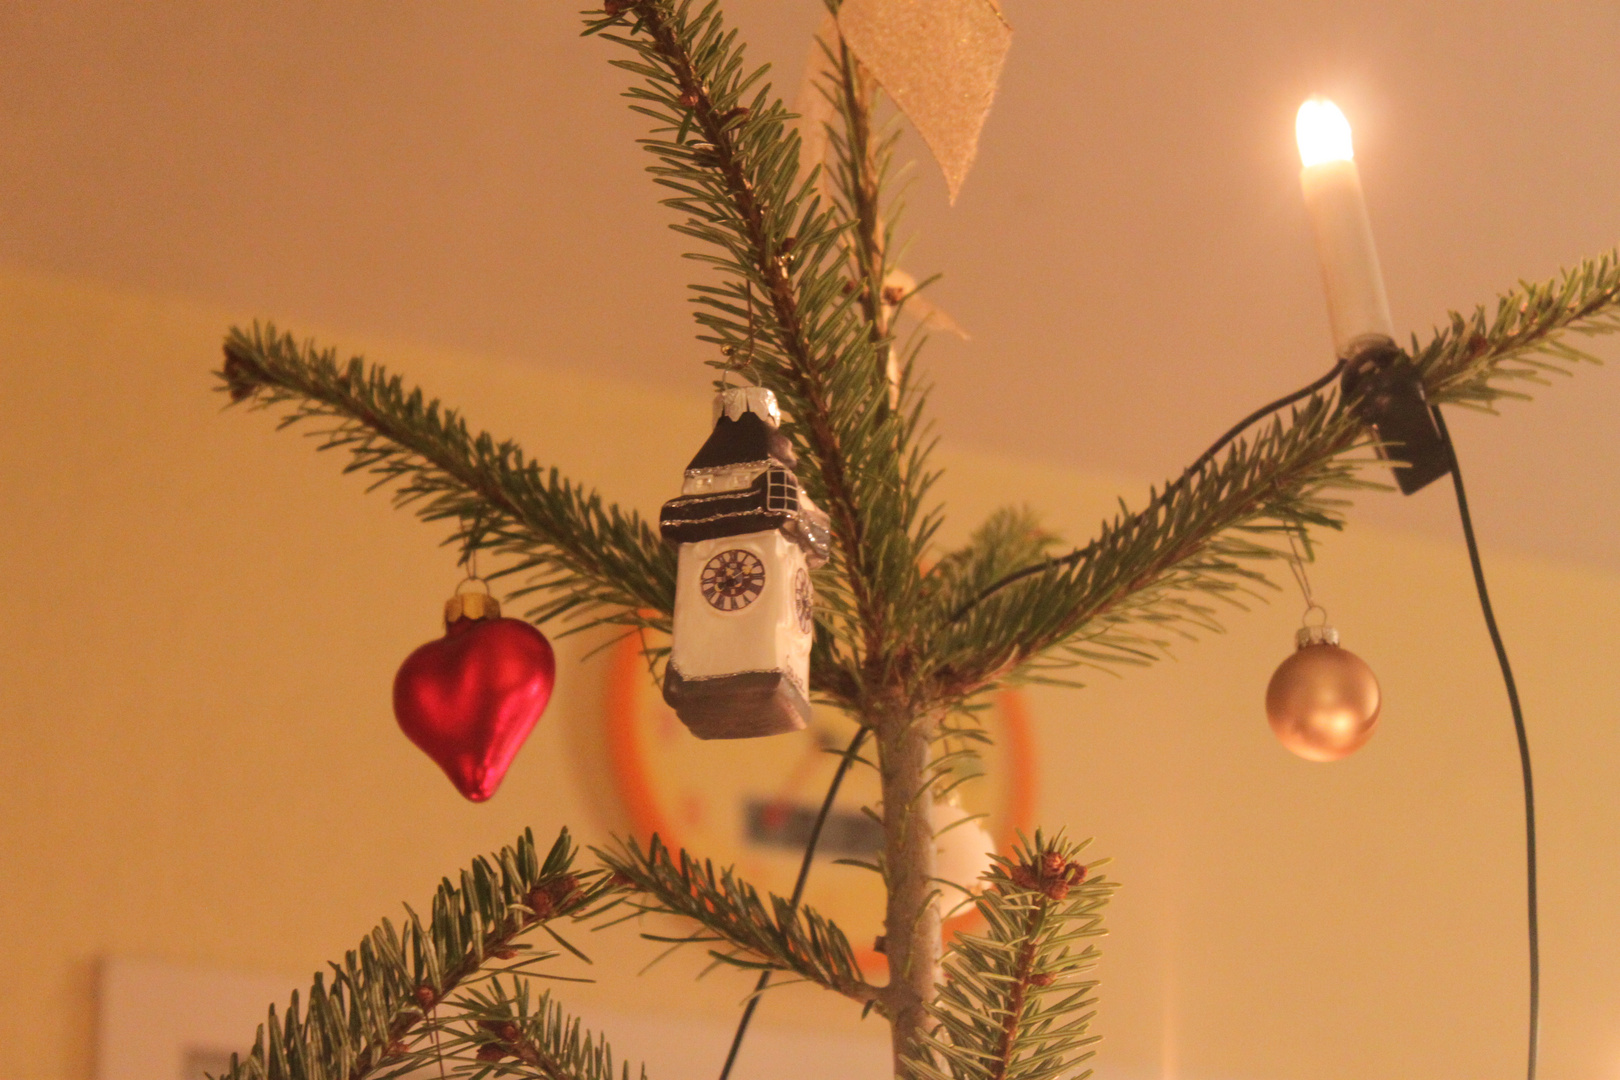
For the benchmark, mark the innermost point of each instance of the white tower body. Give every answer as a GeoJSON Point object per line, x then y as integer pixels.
{"type": "Point", "coordinates": [767, 634]}
{"type": "Point", "coordinates": [739, 665]}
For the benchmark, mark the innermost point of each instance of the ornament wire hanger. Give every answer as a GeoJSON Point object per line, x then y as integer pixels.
{"type": "Point", "coordinates": [732, 365]}
{"type": "Point", "coordinates": [469, 558]}
{"type": "Point", "coordinates": [1296, 566]}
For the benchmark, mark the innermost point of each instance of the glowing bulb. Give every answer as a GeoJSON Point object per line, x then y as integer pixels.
{"type": "Point", "coordinates": [1323, 133]}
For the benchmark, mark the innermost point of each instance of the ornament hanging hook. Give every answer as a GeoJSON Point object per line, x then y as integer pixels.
{"type": "Point", "coordinates": [1296, 566]}
{"type": "Point", "coordinates": [732, 364]}
{"type": "Point", "coordinates": [469, 554]}
{"type": "Point", "coordinates": [470, 580]}
{"type": "Point", "coordinates": [748, 286]}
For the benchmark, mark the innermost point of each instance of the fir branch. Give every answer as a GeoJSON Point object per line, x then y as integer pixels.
{"type": "Point", "coordinates": [782, 304]}
{"type": "Point", "coordinates": [1010, 1007]}
{"type": "Point", "coordinates": [1476, 360]}
{"type": "Point", "coordinates": [570, 550]}
{"type": "Point", "coordinates": [382, 995]}
{"type": "Point", "coordinates": [779, 935]}
{"type": "Point", "coordinates": [1200, 541]}
{"type": "Point", "coordinates": [502, 1032]}
{"type": "Point", "coordinates": [864, 158]}
{"type": "Point", "coordinates": [1160, 572]}
{"type": "Point", "coordinates": [1011, 539]}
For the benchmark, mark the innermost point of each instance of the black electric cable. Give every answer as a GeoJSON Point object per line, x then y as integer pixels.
{"type": "Point", "coordinates": [1203, 459]}
{"type": "Point", "coordinates": [798, 890]}
{"type": "Point", "coordinates": [1259, 414]}
{"type": "Point", "coordinates": [1524, 743]}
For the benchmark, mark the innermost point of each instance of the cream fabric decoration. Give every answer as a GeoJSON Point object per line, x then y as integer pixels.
{"type": "Point", "coordinates": [940, 61]}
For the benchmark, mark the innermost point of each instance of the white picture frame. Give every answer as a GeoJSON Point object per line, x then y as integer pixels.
{"type": "Point", "coordinates": [162, 1021]}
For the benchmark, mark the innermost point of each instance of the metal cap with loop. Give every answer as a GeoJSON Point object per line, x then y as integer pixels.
{"type": "Point", "coordinates": [471, 605]}
{"type": "Point", "coordinates": [1317, 633]}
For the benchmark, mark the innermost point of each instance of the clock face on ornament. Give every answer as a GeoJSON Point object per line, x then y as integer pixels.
{"type": "Point", "coordinates": [750, 803]}
{"type": "Point", "coordinates": [732, 579]}
{"type": "Point", "coordinates": [804, 601]}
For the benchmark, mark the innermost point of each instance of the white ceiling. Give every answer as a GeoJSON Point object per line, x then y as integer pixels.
{"type": "Point", "coordinates": [1130, 254]}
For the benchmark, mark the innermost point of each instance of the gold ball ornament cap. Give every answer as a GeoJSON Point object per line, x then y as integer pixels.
{"type": "Point", "coordinates": [1323, 702]}
{"type": "Point", "coordinates": [471, 606]}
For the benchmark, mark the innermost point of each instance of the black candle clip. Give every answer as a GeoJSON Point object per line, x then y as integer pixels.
{"type": "Point", "coordinates": [1384, 391]}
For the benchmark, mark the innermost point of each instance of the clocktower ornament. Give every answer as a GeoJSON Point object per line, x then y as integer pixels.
{"type": "Point", "coordinates": [739, 664]}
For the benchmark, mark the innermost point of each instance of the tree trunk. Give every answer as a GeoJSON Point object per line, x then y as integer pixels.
{"type": "Point", "coordinates": [911, 919]}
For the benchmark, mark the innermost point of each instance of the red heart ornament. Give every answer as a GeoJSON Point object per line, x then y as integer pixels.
{"type": "Point", "coordinates": [470, 698]}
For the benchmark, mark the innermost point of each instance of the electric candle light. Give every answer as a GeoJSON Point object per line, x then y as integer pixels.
{"type": "Point", "coordinates": [1357, 307]}
{"type": "Point", "coordinates": [1380, 386]}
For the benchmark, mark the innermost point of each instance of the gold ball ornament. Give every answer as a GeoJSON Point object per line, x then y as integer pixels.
{"type": "Point", "coordinates": [1323, 701]}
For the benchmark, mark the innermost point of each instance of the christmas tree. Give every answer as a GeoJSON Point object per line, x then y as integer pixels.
{"type": "Point", "coordinates": [805, 299]}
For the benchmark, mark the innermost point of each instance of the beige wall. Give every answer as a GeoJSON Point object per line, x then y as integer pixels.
{"type": "Point", "coordinates": [1130, 253]}
{"type": "Point", "coordinates": [197, 761]}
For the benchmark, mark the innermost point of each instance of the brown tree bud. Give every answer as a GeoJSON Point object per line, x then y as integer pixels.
{"type": "Point", "coordinates": [238, 376]}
